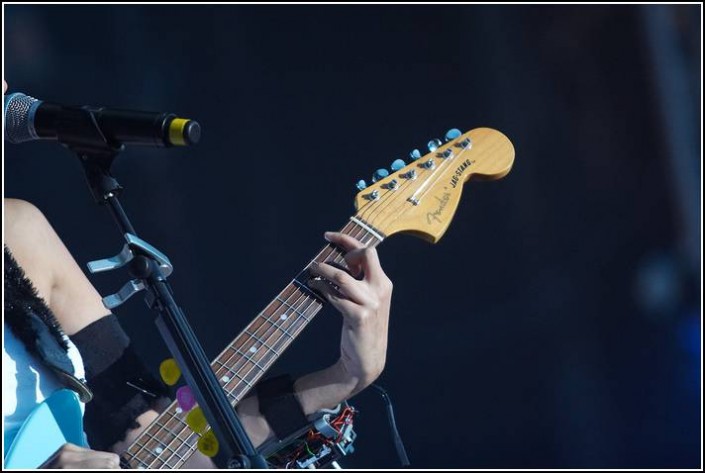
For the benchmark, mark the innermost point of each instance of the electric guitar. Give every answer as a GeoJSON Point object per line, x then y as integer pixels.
{"type": "Point", "coordinates": [419, 198]}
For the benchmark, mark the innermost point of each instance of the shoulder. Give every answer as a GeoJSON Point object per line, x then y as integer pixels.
{"type": "Point", "coordinates": [48, 264]}
{"type": "Point", "coordinates": [25, 224]}
{"type": "Point", "coordinates": [28, 235]}
{"type": "Point", "coordinates": [21, 208]}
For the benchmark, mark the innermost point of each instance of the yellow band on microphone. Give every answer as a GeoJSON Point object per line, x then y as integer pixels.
{"type": "Point", "coordinates": [176, 131]}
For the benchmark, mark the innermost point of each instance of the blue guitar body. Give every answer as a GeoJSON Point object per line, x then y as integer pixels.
{"type": "Point", "coordinates": [56, 421]}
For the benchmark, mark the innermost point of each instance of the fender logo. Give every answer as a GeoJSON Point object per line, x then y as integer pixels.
{"type": "Point", "coordinates": [442, 202]}
{"type": "Point", "coordinates": [455, 180]}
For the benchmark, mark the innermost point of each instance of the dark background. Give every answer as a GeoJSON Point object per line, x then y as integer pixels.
{"type": "Point", "coordinates": [556, 325]}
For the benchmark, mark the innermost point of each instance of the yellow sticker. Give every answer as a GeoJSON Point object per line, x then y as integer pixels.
{"type": "Point", "coordinates": [196, 420]}
{"type": "Point", "coordinates": [170, 371]}
{"type": "Point", "coordinates": [208, 444]}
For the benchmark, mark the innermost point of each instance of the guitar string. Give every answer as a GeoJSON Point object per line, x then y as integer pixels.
{"type": "Point", "coordinates": [217, 360]}
{"type": "Point", "coordinates": [392, 196]}
{"type": "Point", "coordinates": [277, 342]}
{"type": "Point", "coordinates": [219, 370]}
{"type": "Point", "coordinates": [299, 328]}
{"type": "Point", "coordinates": [275, 326]}
{"type": "Point", "coordinates": [255, 362]}
{"type": "Point", "coordinates": [247, 359]}
{"type": "Point", "coordinates": [224, 368]}
{"type": "Point", "coordinates": [434, 173]}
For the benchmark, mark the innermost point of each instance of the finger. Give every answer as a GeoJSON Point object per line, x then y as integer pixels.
{"type": "Point", "coordinates": [104, 459]}
{"type": "Point", "coordinates": [333, 296]}
{"type": "Point", "coordinates": [70, 447]}
{"type": "Point", "coordinates": [345, 242]}
{"type": "Point", "coordinates": [113, 461]}
{"type": "Point", "coordinates": [368, 260]}
{"type": "Point", "coordinates": [347, 285]}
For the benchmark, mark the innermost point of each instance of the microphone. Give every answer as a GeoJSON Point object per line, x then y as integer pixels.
{"type": "Point", "coordinates": [27, 119]}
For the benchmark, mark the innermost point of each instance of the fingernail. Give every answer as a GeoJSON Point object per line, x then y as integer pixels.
{"type": "Point", "coordinates": [327, 236]}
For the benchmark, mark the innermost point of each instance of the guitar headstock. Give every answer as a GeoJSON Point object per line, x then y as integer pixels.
{"type": "Point", "coordinates": [421, 197]}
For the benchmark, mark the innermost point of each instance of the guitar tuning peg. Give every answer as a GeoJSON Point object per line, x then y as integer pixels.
{"type": "Point", "coordinates": [397, 165]}
{"type": "Point", "coordinates": [379, 174]}
{"type": "Point", "coordinates": [415, 154]}
{"type": "Point", "coordinates": [434, 144]}
{"type": "Point", "coordinates": [452, 134]}
{"type": "Point", "coordinates": [361, 184]}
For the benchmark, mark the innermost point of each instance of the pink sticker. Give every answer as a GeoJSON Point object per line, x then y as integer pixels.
{"type": "Point", "coordinates": [185, 398]}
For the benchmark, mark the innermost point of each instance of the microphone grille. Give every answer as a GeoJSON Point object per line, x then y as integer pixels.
{"type": "Point", "coordinates": [19, 117]}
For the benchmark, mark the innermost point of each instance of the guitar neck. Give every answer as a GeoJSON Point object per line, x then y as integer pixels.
{"type": "Point", "coordinates": [168, 442]}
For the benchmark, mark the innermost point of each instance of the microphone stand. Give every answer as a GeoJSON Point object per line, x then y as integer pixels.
{"type": "Point", "coordinates": [149, 269]}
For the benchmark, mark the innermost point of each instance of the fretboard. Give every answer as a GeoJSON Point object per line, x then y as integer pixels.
{"type": "Point", "coordinates": [168, 442]}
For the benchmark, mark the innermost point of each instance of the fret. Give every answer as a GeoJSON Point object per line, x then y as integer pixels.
{"type": "Point", "coordinates": [251, 360]}
{"type": "Point", "coordinates": [183, 451]}
{"type": "Point", "coordinates": [329, 250]}
{"type": "Point", "coordinates": [223, 365]}
{"type": "Point", "coordinates": [172, 433]}
{"type": "Point", "coordinates": [150, 444]}
{"type": "Point", "coordinates": [234, 372]}
{"type": "Point", "coordinates": [269, 334]}
{"type": "Point", "coordinates": [167, 429]}
{"type": "Point", "coordinates": [145, 455]}
{"type": "Point", "coordinates": [159, 446]}
{"type": "Point", "coordinates": [175, 453]}
{"type": "Point", "coordinates": [279, 327]}
{"type": "Point", "coordinates": [173, 461]}
{"type": "Point", "coordinates": [172, 458]}
{"type": "Point", "coordinates": [251, 357]}
{"type": "Point", "coordinates": [294, 308]}
{"type": "Point", "coordinates": [126, 464]}
{"type": "Point", "coordinates": [304, 287]}
{"type": "Point", "coordinates": [262, 343]}
{"type": "Point", "coordinates": [257, 324]}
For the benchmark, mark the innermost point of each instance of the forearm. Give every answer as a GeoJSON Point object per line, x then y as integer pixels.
{"type": "Point", "coordinates": [143, 420]}
{"type": "Point", "coordinates": [326, 388]}
{"type": "Point", "coordinates": [315, 391]}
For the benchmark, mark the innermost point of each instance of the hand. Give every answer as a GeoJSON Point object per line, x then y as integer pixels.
{"type": "Point", "coordinates": [73, 457]}
{"type": "Point", "coordinates": [364, 304]}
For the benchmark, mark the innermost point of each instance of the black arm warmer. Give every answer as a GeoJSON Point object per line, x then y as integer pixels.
{"type": "Point", "coordinates": [279, 405]}
{"type": "Point", "coordinates": [122, 386]}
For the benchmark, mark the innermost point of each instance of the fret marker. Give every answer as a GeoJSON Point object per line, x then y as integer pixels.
{"type": "Point", "coordinates": [284, 316]}
{"type": "Point", "coordinates": [158, 450]}
{"type": "Point", "coordinates": [141, 467]}
{"type": "Point", "coordinates": [225, 379]}
{"type": "Point", "coordinates": [179, 410]}
{"type": "Point", "coordinates": [253, 349]}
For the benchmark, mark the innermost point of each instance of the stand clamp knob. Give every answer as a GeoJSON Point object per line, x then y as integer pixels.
{"type": "Point", "coordinates": [134, 246]}
{"type": "Point", "coordinates": [128, 290]}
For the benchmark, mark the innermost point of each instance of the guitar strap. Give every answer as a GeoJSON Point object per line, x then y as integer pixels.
{"type": "Point", "coordinates": [279, 405]}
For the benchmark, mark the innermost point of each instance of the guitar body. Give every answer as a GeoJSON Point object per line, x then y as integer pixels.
{"type": "Point", "coordinates": [53, 423]}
